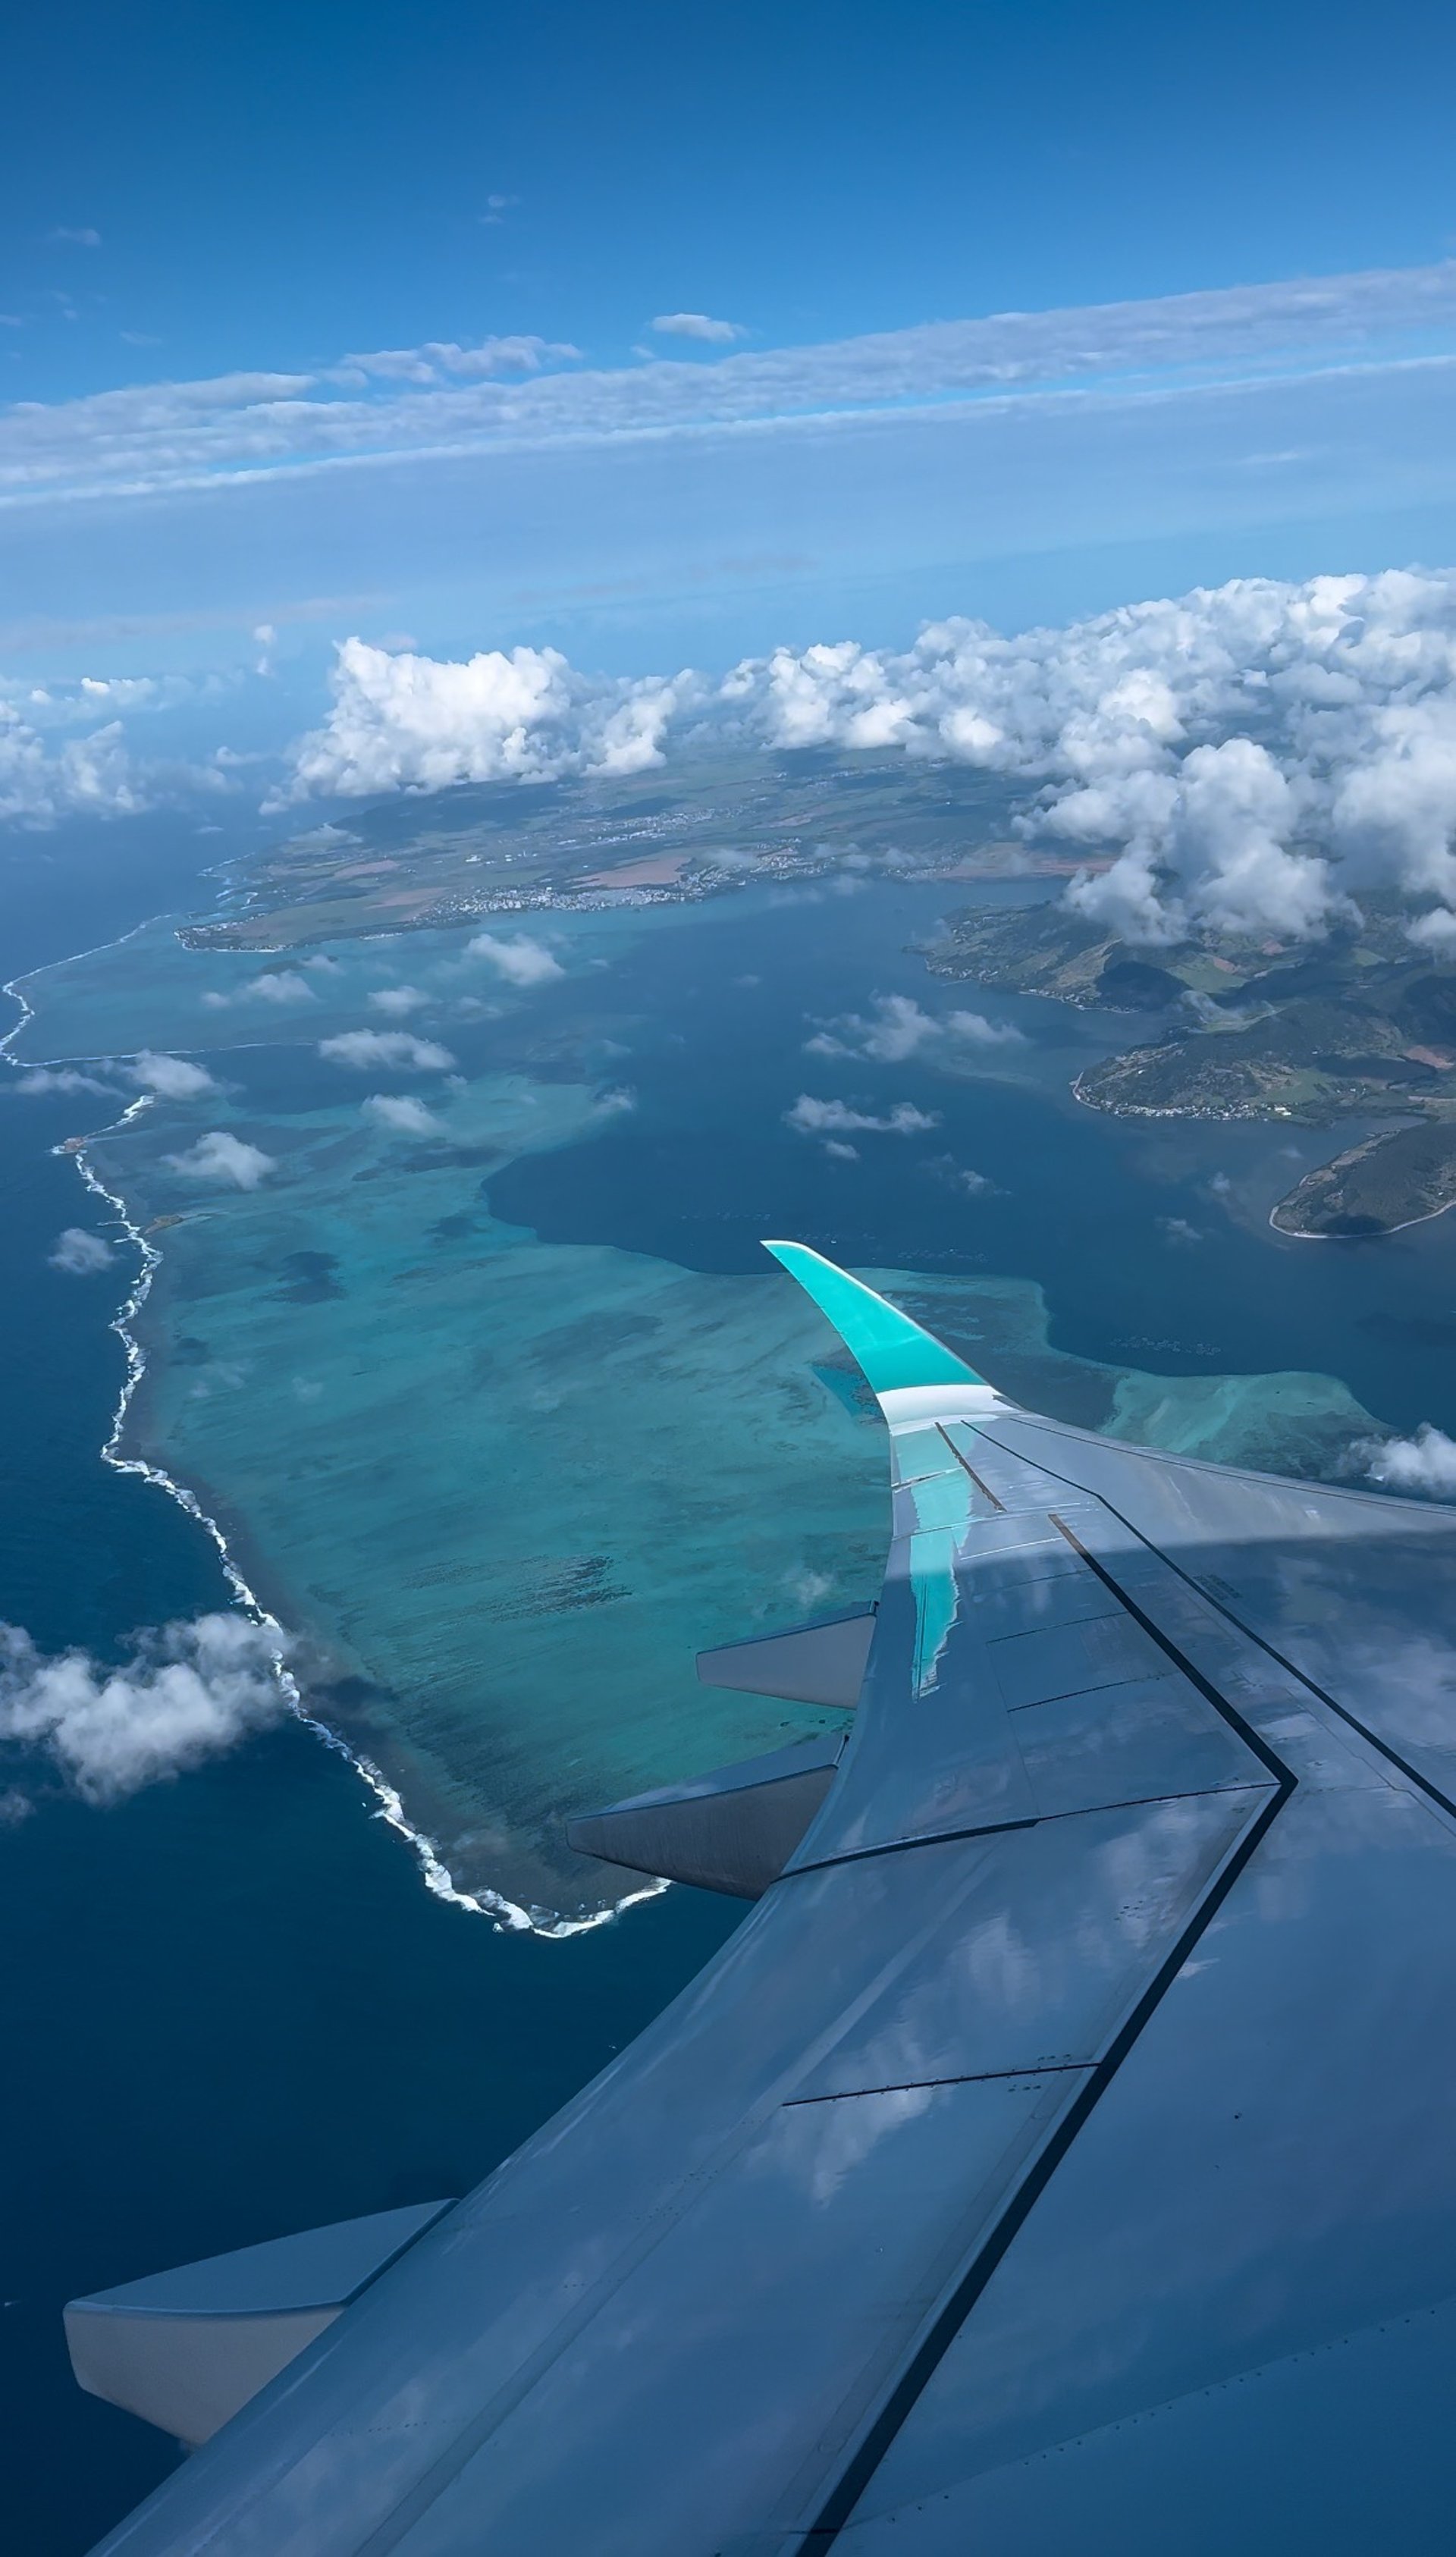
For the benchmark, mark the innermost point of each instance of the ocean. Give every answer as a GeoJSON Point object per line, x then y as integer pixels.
{"type": "Point", "coordinates": [506, 1419]}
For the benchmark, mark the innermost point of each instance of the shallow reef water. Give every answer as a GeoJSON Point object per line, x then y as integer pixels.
{"type": "Point", "coordinates": [502, 1474]}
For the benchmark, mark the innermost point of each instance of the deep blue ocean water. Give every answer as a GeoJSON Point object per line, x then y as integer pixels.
{"type": "Point", "coordinates": [231, 2007]}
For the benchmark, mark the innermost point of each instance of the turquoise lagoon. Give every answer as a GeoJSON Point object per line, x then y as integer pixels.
{"type": "Point", "coordinates": [506, 1418]}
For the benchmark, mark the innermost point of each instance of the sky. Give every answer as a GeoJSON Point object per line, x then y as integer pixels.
{"type": "Point", "coordinates": [666, 338]}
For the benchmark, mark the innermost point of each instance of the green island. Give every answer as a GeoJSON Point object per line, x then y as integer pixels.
{"type": "Point", "coordinates": [1398, 1178]}
{"type": "Point", "coordinates": [1359, 1025]}
{"type": "Point", "coordinates": [661, 837]}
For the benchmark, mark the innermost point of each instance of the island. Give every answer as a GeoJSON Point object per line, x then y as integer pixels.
{"type": "Point", "coordinates": [1358, 1025]}
{"type": "Point", "coordinates": [702, 827]}
{"type": "Point", "coordinates": [1398, 1178]}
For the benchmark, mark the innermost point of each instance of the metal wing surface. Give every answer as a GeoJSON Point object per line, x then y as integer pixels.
{"type": "Point", "coordinates": [1060, 2153]}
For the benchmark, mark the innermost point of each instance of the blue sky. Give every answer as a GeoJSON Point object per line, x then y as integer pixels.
{"type": "Point", "coordinates": [206, 215]}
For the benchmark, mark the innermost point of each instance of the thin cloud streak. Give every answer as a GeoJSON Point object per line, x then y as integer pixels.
{"type": "Point", "coordinates": [441, 400]}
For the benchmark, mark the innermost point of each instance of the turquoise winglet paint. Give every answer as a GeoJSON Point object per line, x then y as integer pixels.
{"type": "Point", "coordinates": [891, 1350]}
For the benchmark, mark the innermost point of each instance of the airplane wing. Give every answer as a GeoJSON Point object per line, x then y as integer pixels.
{"type": "Point", "coordinates": [1062, 2152]}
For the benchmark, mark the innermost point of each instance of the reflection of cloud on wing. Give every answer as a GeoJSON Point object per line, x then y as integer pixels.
{"type": "Point", "coordinates": [819, 2146]}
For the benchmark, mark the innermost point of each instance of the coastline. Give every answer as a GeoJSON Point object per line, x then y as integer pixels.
{"type": "Point", "coordinates": [504, 1914]}
{"type": "Point", "coordinates": [1291, 1232]}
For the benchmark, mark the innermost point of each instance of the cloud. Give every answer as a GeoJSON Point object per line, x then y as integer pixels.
{"type": "Point", "coordinates": [189, 1692]}
{"type": "Point", "coordinates": [1250, 756]}
{"type": "Point", "coordinates": [615, 1101]}
{"type": "Point", "coordinates": [978, 1031]}
{"type": "Point", "coordinates": [402, 1114]}
{"type": "Point", "coordinates": [696, 324]}
{"type": "Point", "coordinates": [1177, 1230]}
{"type": "Point", "coordinates": [277, 986]}
{"type": "Point", "coordinates": [1247, 757]}
{"type": "Point", "coordinates": [442, 360]}
{"type": "Point", "coordinates": [81, 1254]}
{"type": "Point", "coordinates": [840, 1152]}
{"type": "Point", "coordinates": [80, 236]}
{"type": "Point", "coordinates": [171, 1078]}
{"type": "Point", "coordinates": [812, 1118]}
{"type": "Point", "coordinates": [1425, 1463]}
{"type": "Point", "coordinates": [520, 960]}
{"type": "Point", "coordinates": [91, 777]}
{"type": "Point", "coordinates": [280, 986]}
{"type": "Point", "coordinates": [397, 1002]}
{"type": "Point", "coordinates": [958, 1177]}
{"type": "Point", "coordinates": [505, 393]}
{"type": "Point", "coordinates": [412, 722]}
{"type": "Point", "coordinates": [93, 774]}
{"type": "Point", "coordinates": [222, 1157]}
{"type": "Point", "coordinates": [1435, 931]}
{"type": "Point", "coordinates": [61, 1078]}
{"type": "Point", "coordinates": [898, 1027]}
{"type": "Point", "coordinates": [362, 1048]}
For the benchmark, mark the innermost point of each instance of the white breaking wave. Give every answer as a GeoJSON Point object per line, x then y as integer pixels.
{"type": "Point", "coordinates": [274, 1643]}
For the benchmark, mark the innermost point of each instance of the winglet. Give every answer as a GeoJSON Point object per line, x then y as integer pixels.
{"type": "Point", "coordinates": [893, 1352]}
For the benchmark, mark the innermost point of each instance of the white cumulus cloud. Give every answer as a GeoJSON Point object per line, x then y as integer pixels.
{"type": "Point", "coordinates": [813, 1117]}
{"type": "Point", "coordinates": [281, 986]}
{"type": "Point", "coordinates": [172, 1078]}
{"type": "Point", "coordinates": [363, 1049]}
{"type": "Point", "coordinates": [403, 722]}
{"type": "Point", "coordinates": [1245, 758]}
{"type": "Point", "coordinates": [80, 1254]}
{"type": "Point", "coordinates": [397, 1002]}
{"type": "Point", "coordinates": [401, 1112]}
{"type": "Point", "coordinates": [1248, 755]}
{"type": "Point", "coordinates": [278, 986]}
{"type": "Point", "coordinates": [1425, 1463]}
{"type": "Point", "coordinates": [898, 1027]}
{"type": "Point", "coordinates": [88, 776]}
{"type": "Point", "coordinates": [696, 324]}
{"type": "Point", "coordinates": [222, 1157]}
{"type": "Point", "coordinates": [189, 1692]}
{"type": "Point", "coordinates": [61, 1078]}
{"type": "Point", "coordinates": [519, 960]}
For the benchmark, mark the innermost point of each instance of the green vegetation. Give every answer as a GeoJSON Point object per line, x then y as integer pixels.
{"type": "Point", "coordinates": [690, 831]}
{"type": "Point", "coordinates": [1358, 1025]}
{"type": "Point", "coordinates": [1388, 1182]}
{"type": "Point", "coordinates": [1315, 1031]}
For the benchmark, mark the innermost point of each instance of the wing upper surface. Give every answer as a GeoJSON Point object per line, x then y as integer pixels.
{"type": "Point", "coordinates": [943, 2162]}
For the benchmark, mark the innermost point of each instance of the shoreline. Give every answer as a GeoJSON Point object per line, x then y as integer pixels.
{"type": "Point", "coordinates": [1292, 1235]}
{"type": "Point", "coordinates": [506, 1916]}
